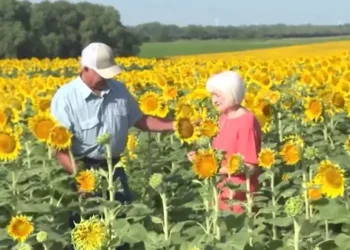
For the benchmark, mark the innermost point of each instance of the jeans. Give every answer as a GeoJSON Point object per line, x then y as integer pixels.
{"type": "Point", "coordinates": [123, 197]}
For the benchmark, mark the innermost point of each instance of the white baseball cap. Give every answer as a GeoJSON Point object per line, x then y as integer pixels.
{"type": "Point", "coordinates": [99, 57]}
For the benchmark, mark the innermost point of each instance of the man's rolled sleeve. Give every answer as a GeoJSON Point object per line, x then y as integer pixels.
{"type": "Point", "coordinates": [134, 111]}
{"type": "Point", "coordinates": [59, 110]}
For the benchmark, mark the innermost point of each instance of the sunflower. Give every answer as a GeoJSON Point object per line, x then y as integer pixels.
{"type": "Point", "coordinates": [41, 125]}
{"type": "Point", "coordinates": [205, 164]}
{"type": "Point", "coordinates": [86, 181]}
{"type": "Point", "coordinates": [267, 158]}
{"type": "Point", "coordinates": [186, 130]}
{"type": "Point", "coordinates": [313, 192]}
{"type": "Point", "coordinates": [265, 81]}
{"type": "Point", "coordinates": [16, 103]}
{"type": "Point", "coordinates": [331, 178]}
{"type": "Point", "coordinates": [42, 104]}
{"type": "Point", "coordinates": [208, 128]}
{"type": "Point", "coordinates": [273, 96]}
{"type": "Point", "coordinates": [3, 118]}
{"type": "Point", "coordinates": [10, 145]}
{"type": "Point", "coordinates": [163, 109]}
{"type": "Point", "coordinates": [170, 92]}
{"type": "Point", "coordinates": [234, 163]}
{"type": "Point", "coordinates": [59, 138]}
{"type": "Point", "coordinates": [287, 102]}
{"type": "Point", "coordinates": [198, 94]}
{"type": "Point", "coordinates": [338, 101]}
{"type": "Point", "coordinates": [290, 152]}
{"type": "Point", "coordinates": [150, 103]}
{"type": "Point", "coordinates": [184, 109]}
{"type": "Point", "coordinates": [313, 109]}
{"type": "Point", "coordinates": [263, 107]}
{"type": "Point", "coordinates": [20, 227]}
{"type": "Point", "coordinates": [265, 122]}
{"type": "Point", "coordinates": [89, 234]}
{"type": "Point", "coordinates": [131, 145]}
{"type": "Point", "coordinates": [347, 144]}
{"type": "Point", "coordinates": [296, 139]}
{"type": "Point", "coordinates": [15, 116]}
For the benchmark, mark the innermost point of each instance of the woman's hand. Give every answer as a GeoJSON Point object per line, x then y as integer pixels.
{"type": "Point", "coordinates": [191, 155]}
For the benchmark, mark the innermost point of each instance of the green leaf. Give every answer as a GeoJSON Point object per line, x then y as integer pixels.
{"type": "Point", "coordinates": [288, 193]}
{"type": "Point", "coordinates": [307, 228]}
{"type": "Point", "coordinates": [34, 208]}
{"type": "Point", "coordinates": [342, 241]}
{"type": "Point", "coordinates": [238, 241]}
{"type": "Point", "coordinates": [156, 220]}
{"type": "Point", "coordinates": [3, 234]}
{"type": "Point", "coordinates": [136, 233]}
{"type": "Point", "coordinates": [332, 211]}
{"type": "Point", "coordinates": [177, 227]}
{"type": "Point", "coordinates": [281, 222]}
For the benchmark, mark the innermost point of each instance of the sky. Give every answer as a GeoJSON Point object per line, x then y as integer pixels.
{"type": "Point", "coordinates": [230, 12]}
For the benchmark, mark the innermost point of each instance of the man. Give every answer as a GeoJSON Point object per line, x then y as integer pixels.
{"type": "Point", "coordinates": [94, 104]}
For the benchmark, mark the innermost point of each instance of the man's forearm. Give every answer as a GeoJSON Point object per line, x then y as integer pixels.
{"type": "Point", "coordinates": [64, 159]}
{"type": "Point", "coordinates": [154, 124]}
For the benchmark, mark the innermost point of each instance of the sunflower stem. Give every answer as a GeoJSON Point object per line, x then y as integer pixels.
{"type": "Point", "coordinates": [310, 179]}
{"type": "Point", "coordinates": [13, 176]}
{"type": "Point", "coordinates": [149, 154]}
{"type": "Point", "coordinates": [158, 137]}
{"type": "Point", "coordinates": [296, 234]}
{"type": "Point", "coordinates": [207, 221]}
{"type": "Point", "coordinates": [306, 200]}
{"type": "Point", "coordinates": [207, 209]}
{"type": "Point", "coordinates": [28, 152]}
{"type": "Point", "coordinates": [279, 127]}
{"type": "Point", "coordinates": [249, 205]}
{"type": "Point", "coordinates": [326, 229]}
{"type": "Point", "coordinates": [325, 133]}
{"type": "Point", "coordinates": [272, 185]}
{"type": "Point", "coordinates": [49, 180]}
{"type": "Point", "coordinates": [346, 195]}
{"type": "Point", "coordinates": [165, 216]}
{"type": "Point", "coordinates": [216, 229]}
{"type": "Point", "coordinates": [49, 152]}
{"type": "Point", "coordinates": [110, 172]}
{"type": "Point", "coordinates": [14, 190]}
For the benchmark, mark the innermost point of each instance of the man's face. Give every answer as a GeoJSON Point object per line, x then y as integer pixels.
{"type": "Point", "coordinates": [95, 80]}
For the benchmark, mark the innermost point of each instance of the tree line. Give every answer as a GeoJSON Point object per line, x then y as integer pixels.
{"type": "Point", "coordinates": [157, 32]}
{"type": "Point", "coordinates": [61, 29]}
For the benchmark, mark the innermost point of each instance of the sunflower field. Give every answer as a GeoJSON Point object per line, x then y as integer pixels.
{"type": "Point", "coordinates": [300, 96]}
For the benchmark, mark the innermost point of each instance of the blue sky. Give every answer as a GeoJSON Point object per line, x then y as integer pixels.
{"type": "Point", "coordinates": [230, 12]}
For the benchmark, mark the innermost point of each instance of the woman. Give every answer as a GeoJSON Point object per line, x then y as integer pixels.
{"type": "Point", "coordinates": [239, 132]}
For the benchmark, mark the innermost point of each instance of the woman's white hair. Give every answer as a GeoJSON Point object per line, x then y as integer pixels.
{"type": "Point", "coordinates": [230, 84]}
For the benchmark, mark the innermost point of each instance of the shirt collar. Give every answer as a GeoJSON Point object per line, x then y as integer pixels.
{"type": "Point", "coordinates": [87, 92]}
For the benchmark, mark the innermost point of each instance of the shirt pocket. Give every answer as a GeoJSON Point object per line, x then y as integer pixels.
{"type": "Point", "coordinates": [121, 119]}
{"type": "Point", "coordinates": [90, 130]}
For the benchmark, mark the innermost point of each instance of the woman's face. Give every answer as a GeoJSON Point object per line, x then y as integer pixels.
{"type": "Point", "coordinates": [221, 102]}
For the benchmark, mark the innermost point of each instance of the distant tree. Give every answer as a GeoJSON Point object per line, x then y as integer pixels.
{"type": "Point", "coordinates": [156, 31]}
{"type": "Point", "coordinates": [61, 29]}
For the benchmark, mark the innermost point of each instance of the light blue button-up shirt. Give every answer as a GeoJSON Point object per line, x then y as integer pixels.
{"type": "Point", "coordinates": [88, 116]}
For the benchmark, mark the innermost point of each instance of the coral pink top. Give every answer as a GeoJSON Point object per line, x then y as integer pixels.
{"type": "Point", "coordinates": [238, 135]}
